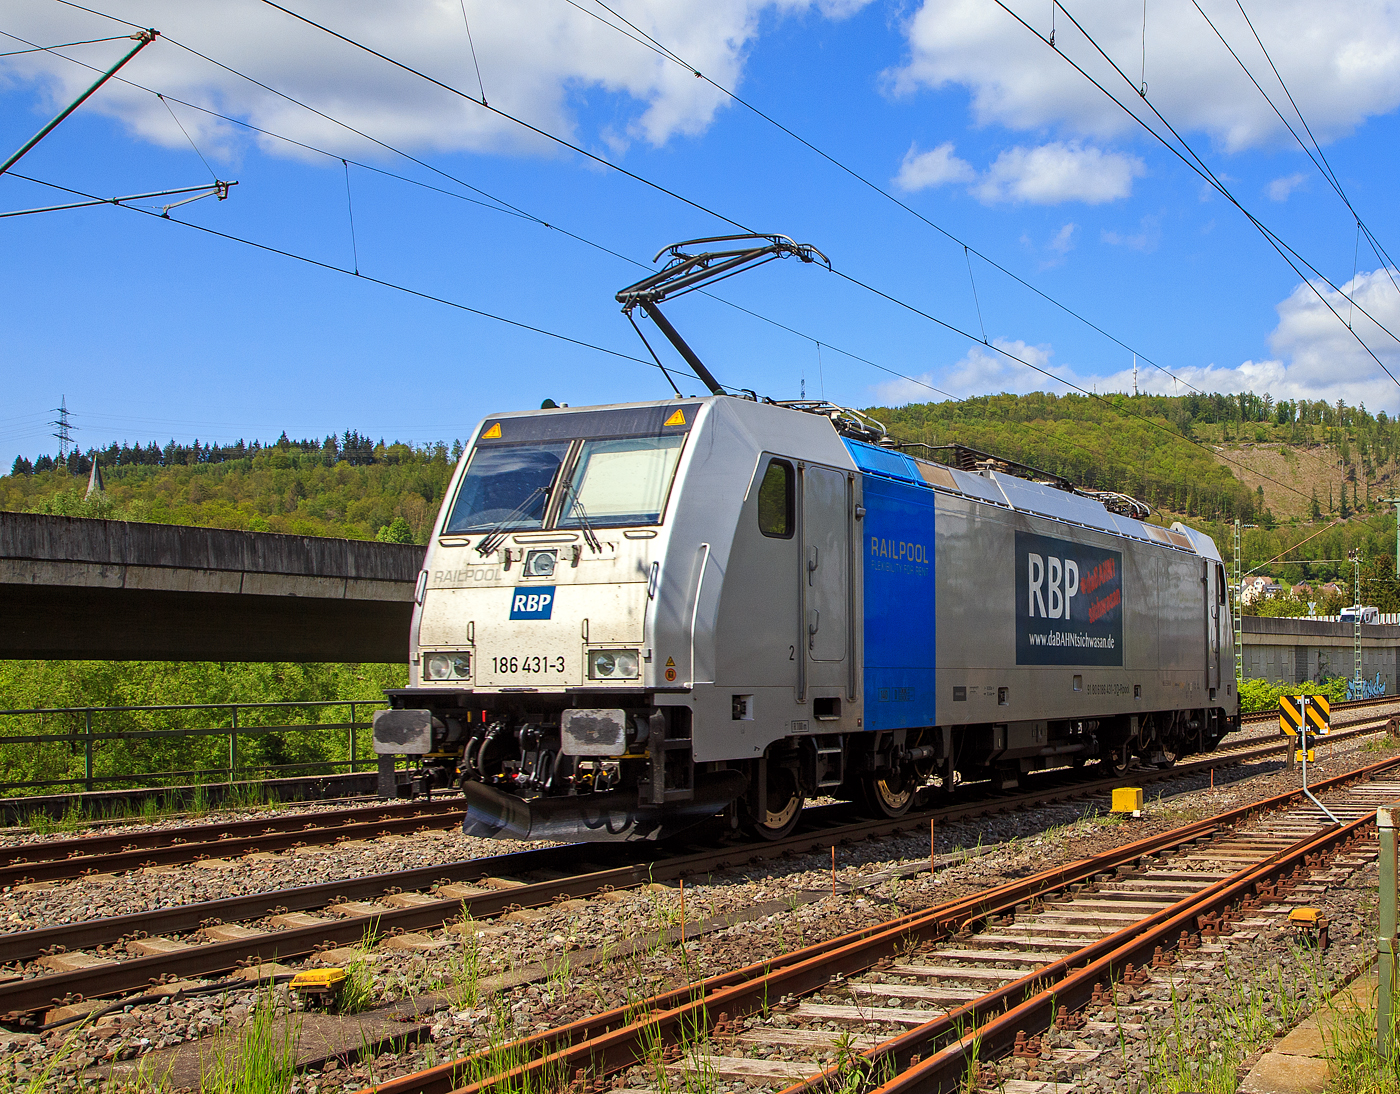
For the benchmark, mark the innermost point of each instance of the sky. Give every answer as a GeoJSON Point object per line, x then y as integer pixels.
{"type": "Point", "coordinates": [994, 221]}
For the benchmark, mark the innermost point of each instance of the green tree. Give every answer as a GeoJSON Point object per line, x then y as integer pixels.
{"type": "Point", "coordinates": [396, 531]}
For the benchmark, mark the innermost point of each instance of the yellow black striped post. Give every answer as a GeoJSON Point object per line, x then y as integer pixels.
{"type": "Point", "coordinates": [1319, 714]}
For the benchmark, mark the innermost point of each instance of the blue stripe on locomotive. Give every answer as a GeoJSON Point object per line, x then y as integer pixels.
{"type": "Point", "coordinates": [901, 621]}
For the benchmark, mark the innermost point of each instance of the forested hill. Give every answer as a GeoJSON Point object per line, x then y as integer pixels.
{"type": "Point", "coordinates": [1206, 458]}
{"type": "Point", "coordinates": [1212, 457]}
{"type": "Point", "coordinates": [347, 486]}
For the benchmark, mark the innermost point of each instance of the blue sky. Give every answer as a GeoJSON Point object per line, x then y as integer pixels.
{"type": "Point", "coordinates": [154, 330]}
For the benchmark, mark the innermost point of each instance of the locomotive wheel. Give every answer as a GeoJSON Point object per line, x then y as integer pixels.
{"type": "Point", "coordinates": [889, 795]}
{"type": "Point", "coordinates": [1118, 760]}
{"type": "Point", "coordinates": [784, 805]}
{"type": "Point", "coordinates": [1171, 755]}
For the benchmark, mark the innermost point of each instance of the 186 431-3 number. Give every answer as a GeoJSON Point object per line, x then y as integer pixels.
{"type": "Point", "coordinates": [541, 664]}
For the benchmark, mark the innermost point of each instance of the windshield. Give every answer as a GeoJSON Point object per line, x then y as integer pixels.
{"type": "Point", "coordinates": [501, 480]}
{"type": "Point", "coordinates": [621, 481]}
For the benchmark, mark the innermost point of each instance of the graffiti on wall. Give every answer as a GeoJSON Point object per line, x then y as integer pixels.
{"type": "Point", "coordinates": [1365, 689]}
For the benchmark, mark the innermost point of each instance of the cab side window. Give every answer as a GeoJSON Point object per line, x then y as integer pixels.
{"type": "Point", "coordinates": [775, 500]}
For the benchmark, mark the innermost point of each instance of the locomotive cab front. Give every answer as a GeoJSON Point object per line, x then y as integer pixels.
{"type": "Point", "coordinates": [534, 631]}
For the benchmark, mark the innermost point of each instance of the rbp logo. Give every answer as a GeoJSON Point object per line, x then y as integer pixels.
{"type": "Point", "coordinates": [1053, 584]}
{"type": "Point", "coordinates": [532, 603]}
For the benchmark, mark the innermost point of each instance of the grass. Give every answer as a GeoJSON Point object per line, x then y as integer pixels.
{"type": "Point", "coordinates": [855, 1073]}
{"type": "Point", "coordinates": [689, 1067]}
{"type": "Point", "coordinates": [149, 809]}
{"type": "Point", "coordinates": [1208, 1036]}
{"type": "Point", "coordinates": [356, 992]}
{"type": "Point", "coordinates": [261, 1059]}
{"type": "Point", "coordinates": [44, 1079]}
{"type": "Point", "coordinates": [467, 967]}
{"type": "Point", "coordinates": [1356, 1064]}
{"type": "Point", "coordinates": [502, 1053]}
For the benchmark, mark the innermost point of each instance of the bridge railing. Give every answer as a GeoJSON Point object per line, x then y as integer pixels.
{"type": "Point", "coordinates": [50, 749]}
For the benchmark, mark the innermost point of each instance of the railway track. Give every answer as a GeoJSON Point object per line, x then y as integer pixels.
{"type": "Point", "coordinates": [118, 955]}
{"type": "Point", "coordinates": [925, 996]}
{"type": "Point", "coordinates": [1354, 704]}
{"type": "Point", "coordinates": [328, 825]}
{"type": "Point", "coordinates": [59, 860]}
{"type": "Point", "coordinates": [65, 858]}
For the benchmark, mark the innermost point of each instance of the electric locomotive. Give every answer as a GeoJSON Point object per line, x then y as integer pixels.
{"type": "Point", "coordinates": [632, 617]}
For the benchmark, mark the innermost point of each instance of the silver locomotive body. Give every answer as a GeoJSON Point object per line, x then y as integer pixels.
{"type": "Point", "coordinates": [634, 616]}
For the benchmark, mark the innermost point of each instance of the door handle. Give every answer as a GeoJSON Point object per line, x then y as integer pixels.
{"type": "Point", "coordinates": [814, 623]}
{"type": "Point", "coordinates": [811, 563]}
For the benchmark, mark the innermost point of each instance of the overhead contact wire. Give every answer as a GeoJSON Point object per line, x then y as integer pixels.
{"type": "Point", "coordinates": [1194, 162]}
{"type": "Point", "coordinates": [652, 185]}
{"type": "Point", "coordinates": [268, 248]}
{"type": "Point", "coordinates": [1060, 379]}
{"type": "Point", "coordinates": [661, 49]}
{"type": "Point", "coordinates": [1320, 160]}
{"type": "Point", "coordinates": [510, 117]}
{"type": "Point", "coordinates": [501, 205]}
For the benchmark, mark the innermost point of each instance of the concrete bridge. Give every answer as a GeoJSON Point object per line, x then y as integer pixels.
{"type": "Point", "coordinates": [77, 588]}
{"type": "Point", "coordinates": [1291, 650]}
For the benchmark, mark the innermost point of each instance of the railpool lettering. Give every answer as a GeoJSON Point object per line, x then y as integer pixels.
{"type": "Point", "coordinates": [450, 578]}
{"type": "Point", "coordinates": [897, 550]}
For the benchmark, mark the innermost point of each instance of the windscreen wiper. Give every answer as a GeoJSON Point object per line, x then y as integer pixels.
{"type": "Point", "coordinates": [497, 533]}
{"type": "Point", "coordinates": [589, 536]}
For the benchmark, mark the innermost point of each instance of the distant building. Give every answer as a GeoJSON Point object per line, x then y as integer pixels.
{"type": "Point", "coordinates": [1302, 590]}
{"type": "Point", "coordinates": [1257, 588]}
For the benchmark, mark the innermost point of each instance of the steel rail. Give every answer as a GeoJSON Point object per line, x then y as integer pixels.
{"type": "Point", "coordinates": [212, 834]}
{"type": "Point", "coordinates": [1031, 1003]}
{"type": "Point", "coordinates": [61, 859]}
{"type": "Point", "coordinates": [1348, 704]}
{"type": "Point", "coordinates": [171, 854]}
{"type": "Point", "coordinates": [620, 1038]}
{"type": "Point", "coordinates": [27, 945]}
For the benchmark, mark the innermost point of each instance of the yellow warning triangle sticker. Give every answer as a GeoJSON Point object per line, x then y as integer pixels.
{"type": "Point", "coordinates": [677, 418]}
{"type": "Point", "coordinates": [492, 434]}
{"type": "Point", "coordinates": [671, 661]}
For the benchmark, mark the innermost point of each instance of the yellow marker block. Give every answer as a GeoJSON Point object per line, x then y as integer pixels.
{"type": "Point", "coordinates": [1298, 755]}
{"type": "Point", "coordinates": [1127, 799]}
{"type": "Point", "coordinates": [1303, 917]}
{"type": "Point", "coordinates": [318, 980]}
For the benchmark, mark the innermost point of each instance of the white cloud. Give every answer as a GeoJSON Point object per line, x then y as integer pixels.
{"type": "Point", "coordinates": [981, 370]}
{"type": "Point", "coordinates": [1314, 356]}
{"type": "Point", "coordinates": [1056, 172]}
{"type": "Point", "coordinates": [1046, 175]}
{"type": "Point", "coordinates": [539, 59]}
{"type": "Point", "coordinates": [1145, 239]}
{"type": "Point", "coordinates": [1063, 241]}
{"type": "Point", "coordinates": [1280, 189]}
{"type": "Point", "coordinates": [1342, 62]}
{"type": "Point", "coordinates": [921, 170]}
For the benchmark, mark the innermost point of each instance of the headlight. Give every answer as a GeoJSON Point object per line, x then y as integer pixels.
{"type": "Point", "coordinates": [447, 666]}
{"type": "Point", "coordinates": [539, 563]}
{"type": "Point", "coordinates": [613, 664]}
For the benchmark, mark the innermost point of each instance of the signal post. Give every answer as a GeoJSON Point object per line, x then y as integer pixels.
{"type": "Point", "coordinates": [1305, 717]}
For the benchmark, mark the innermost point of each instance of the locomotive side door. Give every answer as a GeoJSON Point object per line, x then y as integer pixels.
{"type": "Point", "coordinates": [1215, 601]}
{"type": "Point", "coordinates": [826, 575]}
